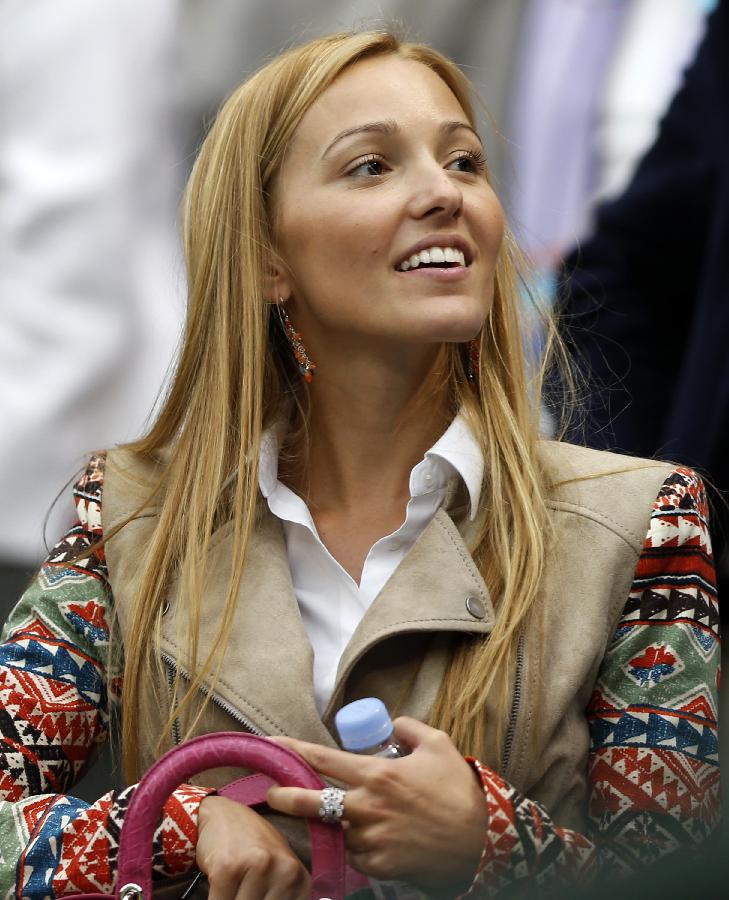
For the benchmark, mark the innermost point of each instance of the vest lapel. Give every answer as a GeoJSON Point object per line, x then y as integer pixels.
{"type": "Point", "coordinates": [398, 652]}
{"type": "Point", "coordinates": [267, 673]}
{"type": "Point", "coordinates": [433, 594]}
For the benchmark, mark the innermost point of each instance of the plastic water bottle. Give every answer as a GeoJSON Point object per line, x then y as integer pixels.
{"type": "Point", "coordinates": [365, 727]}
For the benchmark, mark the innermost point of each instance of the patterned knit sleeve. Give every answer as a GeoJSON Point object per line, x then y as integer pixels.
{"type": "Point", "coordinates": [653, 766]}
{"type": "Point", "coordinates": [56, 685]}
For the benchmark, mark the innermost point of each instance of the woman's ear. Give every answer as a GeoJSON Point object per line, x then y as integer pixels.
{"type": "Point", "coordinates": [278, 282]}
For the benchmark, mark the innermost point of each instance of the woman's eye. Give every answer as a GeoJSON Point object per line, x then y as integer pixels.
{"type": "Point", "coordinates": [373, 165]}
{"type": "Point", "coordinates": [471, 162]}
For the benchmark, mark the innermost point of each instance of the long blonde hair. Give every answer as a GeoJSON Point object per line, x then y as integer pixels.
{"type": "Point", "coordinates": [232, 380]}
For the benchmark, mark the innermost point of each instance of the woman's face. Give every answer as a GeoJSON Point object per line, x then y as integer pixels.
{"type": "Point", "coordinates": [384, 171]}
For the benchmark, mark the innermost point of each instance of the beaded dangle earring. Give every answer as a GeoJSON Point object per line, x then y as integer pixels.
{"type": "Point", "coordinates": [306, 366]}
{"type": "Point", "coordinates": [473, 353]}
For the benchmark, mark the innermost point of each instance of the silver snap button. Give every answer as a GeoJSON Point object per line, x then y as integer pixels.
{"type": "Point", "coordinates": [475, 607]}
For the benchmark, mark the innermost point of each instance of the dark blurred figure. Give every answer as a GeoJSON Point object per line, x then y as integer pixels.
{"type": "Point", "coordinates": [647, 297]}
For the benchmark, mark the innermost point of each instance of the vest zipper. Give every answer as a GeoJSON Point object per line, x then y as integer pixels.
{"type": "Point", "coordinates": [176, 736]}
{"type": "Point", "coordinates": [172, 668]}
{"type": "Point", "coordinates": [516, 703]}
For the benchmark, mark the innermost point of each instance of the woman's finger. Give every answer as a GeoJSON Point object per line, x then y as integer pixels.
{"type": "Point", "coordinates": [302, 802]}
{"type": "Point", "coordinates": [274, 879]}
{"type": "Point", "coordinates": [244, 856]}
{"type": "Point", "coordinates": [358, 860]}
{"type": "Point", "coordinates": [338, 764]}
{"type": "Point", "coordinates": [294, 801]}
{"type": "Point", "coordinates": [414, 733]}
{"type": "Point", "coordinates": [370, 863]}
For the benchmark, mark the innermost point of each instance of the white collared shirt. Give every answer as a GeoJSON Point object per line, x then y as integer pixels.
{"type": "Point", "coordinates": [330, 600]}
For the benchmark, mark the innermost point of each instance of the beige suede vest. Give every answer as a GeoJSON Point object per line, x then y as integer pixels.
{"type": "Point", "coordinates": [401, 647]}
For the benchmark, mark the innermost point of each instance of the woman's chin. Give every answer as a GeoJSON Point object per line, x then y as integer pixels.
{"type": "Point", "coordinates": [453, 323]}
{"type": "Point", "coordinates": [456, 330]}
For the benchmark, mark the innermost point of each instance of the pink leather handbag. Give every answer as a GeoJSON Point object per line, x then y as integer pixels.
{"type": "Point", "coordinates": [226, 748]}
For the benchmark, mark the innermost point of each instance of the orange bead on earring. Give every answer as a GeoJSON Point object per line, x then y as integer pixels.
{"type": "Point", "coordinates": [306, 366]}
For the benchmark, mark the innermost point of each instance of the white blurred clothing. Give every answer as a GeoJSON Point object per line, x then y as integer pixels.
{"type": "Point", "coordinates": [657, 43]}
{"type": "Point", "coordinates": [90, 282]}
{"type": "Point", "coordinates": [593, 80]}
{"type": "Point", "coordinates": [564, 55]}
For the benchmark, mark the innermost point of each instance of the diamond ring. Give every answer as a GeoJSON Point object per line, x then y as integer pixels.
{"type": "Point", "coordinates": [331, 805]}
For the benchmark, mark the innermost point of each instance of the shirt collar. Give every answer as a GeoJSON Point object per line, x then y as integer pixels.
{"type": "Point", "coordinates": [456, 447]}
{"type": "Point", "coordinates": [268, 461]}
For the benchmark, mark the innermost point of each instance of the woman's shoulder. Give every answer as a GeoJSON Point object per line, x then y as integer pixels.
{"type": "Point", "coordinates": [129, 478]}
{"type": "Point", "coordinates": [620, 491]}
{"type": "Point", "coordinates": [576, 472]}
{"type": "Point", "coordinates": [115, 484]}
{"type": "Point", "coordinates": [87, 490]}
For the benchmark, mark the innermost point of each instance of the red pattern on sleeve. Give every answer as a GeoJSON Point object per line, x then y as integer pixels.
{"type": "Point", "coordinates": [55, 689]}
{"type": "Point", "coordinates": [653, 767]}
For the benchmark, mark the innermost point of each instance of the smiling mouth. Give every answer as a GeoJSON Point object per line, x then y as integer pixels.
{"type": "Point", "coordinates": [433, 258]}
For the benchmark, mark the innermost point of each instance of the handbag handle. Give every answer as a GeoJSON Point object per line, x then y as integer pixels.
{"type": "Point", "coordinates": [225, 748]}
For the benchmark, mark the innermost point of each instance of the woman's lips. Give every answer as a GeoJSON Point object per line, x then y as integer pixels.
{"type": "Point", "coordinates": [437, 273]}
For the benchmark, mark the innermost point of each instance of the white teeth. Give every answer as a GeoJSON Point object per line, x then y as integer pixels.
{"type": "Point", "coordinates": [433, 255]}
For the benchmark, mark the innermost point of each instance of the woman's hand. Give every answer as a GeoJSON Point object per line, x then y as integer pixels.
{"type": "Point", "coordinates": [421, 818]}
{"type": "Point", "coordinates": [243, 855]}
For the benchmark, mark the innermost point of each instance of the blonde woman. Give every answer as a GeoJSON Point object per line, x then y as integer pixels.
{"type": "Point", "coordinates": [345, 494]}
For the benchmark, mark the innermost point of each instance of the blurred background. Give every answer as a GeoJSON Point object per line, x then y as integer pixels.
{"type": "Point", "coordinates": [102, 106]}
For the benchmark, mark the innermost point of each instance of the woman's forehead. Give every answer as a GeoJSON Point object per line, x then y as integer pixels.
{"type": "Point", "coordinates": [384, 88]}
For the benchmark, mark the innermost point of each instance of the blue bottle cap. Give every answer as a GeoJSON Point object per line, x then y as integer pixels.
{"type": "Point", "coordinates": [363, 724]}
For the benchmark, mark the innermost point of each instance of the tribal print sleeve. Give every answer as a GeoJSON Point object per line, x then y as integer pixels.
{"type": "Point", "coordinates": [653, 764]}
{"type": "Point", "coordinates": [55, 689]}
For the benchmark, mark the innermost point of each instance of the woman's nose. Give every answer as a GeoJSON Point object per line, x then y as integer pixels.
{"type": "Point", "coordinates": [435, 191]}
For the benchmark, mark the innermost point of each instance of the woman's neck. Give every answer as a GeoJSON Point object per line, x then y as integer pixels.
{"type": "Point", "coordinates": [367, 431]}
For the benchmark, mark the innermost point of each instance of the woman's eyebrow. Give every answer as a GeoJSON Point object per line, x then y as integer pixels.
{"type": "Point", "coordinates": [450, 127]}
{"type": "Point", "coordinates": [387, 128]}
{"type": "Point", "coordinates": [390, 127]}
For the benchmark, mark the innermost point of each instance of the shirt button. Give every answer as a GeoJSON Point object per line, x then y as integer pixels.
{"type": "Point", "coordinates": [475, 607]}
